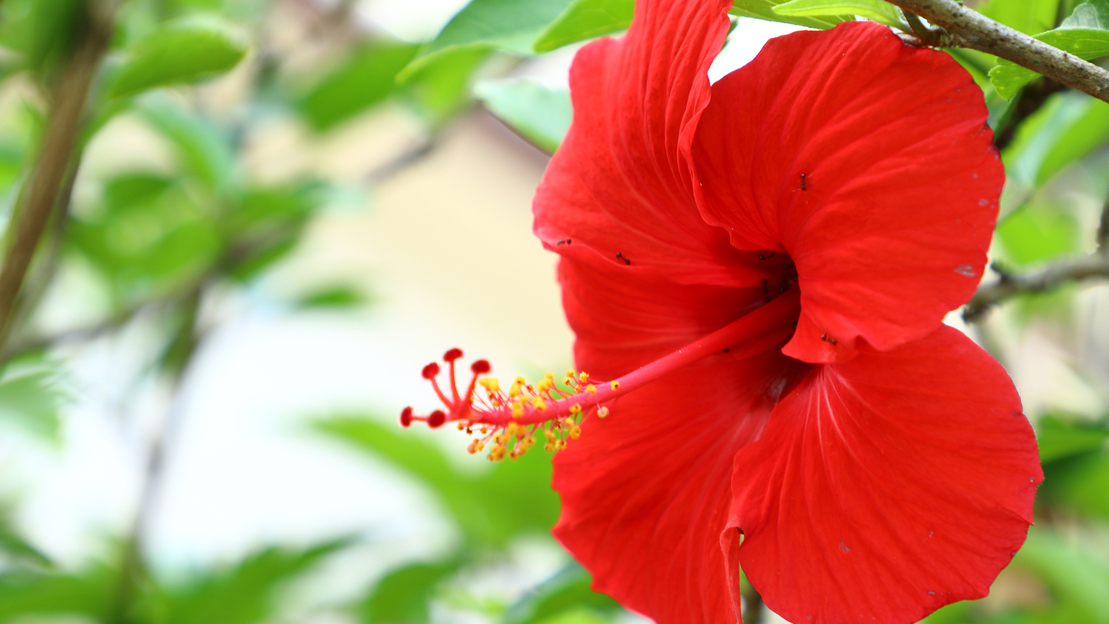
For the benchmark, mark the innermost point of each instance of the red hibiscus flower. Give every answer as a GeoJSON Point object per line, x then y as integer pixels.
{"type": "Point", "coordinates": [763, 266]}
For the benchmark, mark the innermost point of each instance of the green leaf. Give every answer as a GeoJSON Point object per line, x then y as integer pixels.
{"type": "Point", "coordinates": [205, 149]}
{"type": "Point", "coordinates": [569, 590]}
{"type": "Point", "coordinates": [764, 10]}
{"type": "Point", "coordinates": [335, 297]}
{"type": "Point", "coordinates": [42, 31]}
{"type": "Point", "coordinates": [367, 77]}
{"type": "Point", "coordinates": [179, 52]}
{"type": "Point", "coordinates": [441, 89]}
{"type": "Point", "coordinates": [24, 593]}
{"type": "Point", "coordinates": [509, 25]}
{"type": "Point", "coordinates": [246, 593]}
{"type": "Point", "coordinates": [1075, 576]}
{"type": "Point", "coordinates": [29, 397]}
{"type": "Point", "coordinates": [538, 113]}
{"type": "Point", "coordinates": [1067, 128]}
{"type": "Point", "coordinates": [1083, 34]}
{"type": "Point", "coordinates": [18, 550]}
{"type": "Point", "coordinates": [877, 10]}
{"type": "Point", "coordinates": [491, 508]}
{"type": "Point", "coordinates": [1079, 483]}
{"type": "Point", "coordinates": [1037, 233]}
{"type": "Point", "coordinates": [403, 596]}
{"type": "Point", "coordinates": [1027, 16]}
{"type": "Point", "coordinates": [585, 19]}
{"type": "Point", "coordinates": [1059, 438]}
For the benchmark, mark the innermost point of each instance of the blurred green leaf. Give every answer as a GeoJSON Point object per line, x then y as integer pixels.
{"type": "Point", "coordinates": [404, 595]}
{"type": "Point", "coordinates": [147, 236]}
{"type": "Point", "coordinates": [1037, 233]}
{"type": "Point", "coordinates": [243, 594]}
{"type": "Point", "coordinates": [336, 297]}
{"type": "Point", "coordinates": [538, 113]}
{"type": "Point", "coordinates": [442, 88]}
{"type": "Point", "coordinates": [267, 223]}
{"type": "Point", "coordinates": [42, 31]}
{"type": "Point", "coordinates": [568, 591]}
{"type": "Point", "coordinates": [1059, 438]}
{"type": "Point", "coordinates": [764, 10]}
{"type": "Point", "coordinates": [1085, 34]}
{"type": "Point", "coordinates": [25, 593]}
{"type": "Point", "coordinates": [17, 549]}
{"type": "Point", "coordinates": [490, 24]}
{"type": "Point", "coordinates": [205, 149]}
{"type": "Point", "coordinates": [491, 508]}
{"type": "Point", "coordinates": [1027, 16]}
{"type": "Point", "coordinates": [1075, 576]}
{"type": "Point", "coordinates": [585, 19]}
{"type": "Point", "coordinates": [367, 77]}
{"type": "Point", "coordinates": [30, 398]}
{"type": "Point", "coordinates": [1080, 483]}
{"type": "Point", "coordinates": [179, 52]}
{"type": "Point", "coordinates": [1067, 128]}
{"type": "Point", "coordinates": [877, 10]}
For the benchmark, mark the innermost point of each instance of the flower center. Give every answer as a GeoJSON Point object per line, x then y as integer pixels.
{"type": "Point", "coordinates": [510, 420]}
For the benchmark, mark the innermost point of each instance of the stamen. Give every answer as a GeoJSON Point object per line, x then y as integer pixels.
{"type": "Point", "coordinates": [557, 410]}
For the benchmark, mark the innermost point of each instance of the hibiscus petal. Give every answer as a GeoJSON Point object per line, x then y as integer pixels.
{"type": "Point", "coordinates": [625, 319]}
{"type": "Point", "coordinates": [619, 188]}
{"type": "Point", "coordinates": [888, 486]}
{"type": "Point", "coordinates": [900, 188]}
{"type": "Point", "coordinates": [645, 491]}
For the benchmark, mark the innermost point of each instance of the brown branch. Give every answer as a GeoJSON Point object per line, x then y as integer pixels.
{"type": "Point", "coordinates": [47, 179]}
{"type": "Point", "coordinates": [1049, 278]}
{"type": "Point", "coordinates": [966, 28]}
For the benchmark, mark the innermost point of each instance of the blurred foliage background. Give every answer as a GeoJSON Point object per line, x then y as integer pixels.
{"type": "Point", "coordinates": [217, 180]}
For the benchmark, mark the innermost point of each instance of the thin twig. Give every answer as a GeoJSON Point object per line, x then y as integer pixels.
{"type": "Point", "coordinates": [1050, 277]}
{"type": "Point", "coordinates": [966, 28]}
{"type": "Point", "coordinates": [55, 156]}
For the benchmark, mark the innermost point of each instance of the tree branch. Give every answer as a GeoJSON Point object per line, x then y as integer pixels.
{"type": "Point", "coordinates": [46, 182]}
{"type": "Point", "coordinates": [967, 28]}
{"type": "Point", "coordinates": [1048, 278]}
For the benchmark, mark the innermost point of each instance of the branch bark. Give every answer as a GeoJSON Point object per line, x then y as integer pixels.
{"type": "Point", "coordinates": [46, 183]}
{"type": "Point", "coordinates": [967, 28]}
{"type": "Point", "coordinates": [1048, 278]}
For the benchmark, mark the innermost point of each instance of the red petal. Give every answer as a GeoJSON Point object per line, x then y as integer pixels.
{"type": "Point", "coordinates": [620, 183]}
{"type": "Point", "coordinates": [901, 180]}
{"type": "Point", "coordinates": [887, 486]}
{"type": "Point", "coordinates": [645, 492]}
{"type": "Point", "coordinates": [623, 320]}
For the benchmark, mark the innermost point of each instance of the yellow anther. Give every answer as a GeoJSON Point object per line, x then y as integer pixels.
{"type": "Point", "coordinates": [544, 385]}
{"type": "Point", "coordinates": [517, 408]}
{"type": "Point", "coordinates": [499, 439]}
{"type": "Point", "coordinates": [461, 426]}
{"type": "Point", "coordinates": [602, 412]}
{"type": "Point", "coordinates": [575, 409]}
{"type": "Point", "coordinates": [570, 372]}
{"type": "Point", "coordinates": [584, 377]}
{"type": "Point", "coordinates": [515, 431]}
{"type": "Point", "coordinates": [490, 384]}
{"type": "Point", "coordinates": [591, 389]}
{"type": "Point", "coordinates": [549, 447]}
{"type": "Point", "coordinates": [514, 391]}
{"type": "Point", "coordinates": [575, 432]}
{"type": "Point", "coordinates": [497, 453]}
{"type": "Point", "coordinates": [560, 445]}
{"type": "Point", "coordinates": [521, 381]}
{"type": "Point", "coordinates": [550, 436]}
{"type": "Point", "coordinates": [472, 448]}
{"type": "Point", "coordinates": [539, 404]}
{"type": "Point", "coordinates": [615, 385]}
{"type": "Point", "coordinates": [568, 380]}
{"type": "Point", "coordinates": [529, 441]}
{"type": "Point", "coordinates": [549, 377]}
